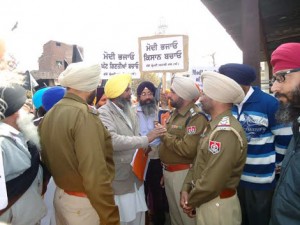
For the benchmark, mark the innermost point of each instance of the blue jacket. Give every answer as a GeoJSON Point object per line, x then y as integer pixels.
{"type": "Point", "coordinates": [267, 140]}
{"type": "Point", "coordinates": [286, 199]}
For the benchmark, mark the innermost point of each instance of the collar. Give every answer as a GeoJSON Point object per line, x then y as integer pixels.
{"type": "Point", "coordinates": [74, 97]}
{"type": "Point", "coordinates": [9, 128]}
{"type": "Point", "coordinates": [249, 93]}
{"type": "Point", "coordinates": [183, 111]}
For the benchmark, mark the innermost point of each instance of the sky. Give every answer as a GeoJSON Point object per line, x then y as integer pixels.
{"type": "Point", "coordinates": [98, 25]}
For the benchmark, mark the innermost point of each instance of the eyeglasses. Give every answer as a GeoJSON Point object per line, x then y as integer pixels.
{"type": "Point", "coordinates": [147, 94]}
{"type": "Point", "coordinates": [280, 76]}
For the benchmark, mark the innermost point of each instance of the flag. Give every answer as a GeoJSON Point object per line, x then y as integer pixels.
{"type": "Point", "coordinates": [65, 64]}
{"type": "Point", "coordinates": [29, 81]}
{"type": "Point", "coordinates": [76, 57]}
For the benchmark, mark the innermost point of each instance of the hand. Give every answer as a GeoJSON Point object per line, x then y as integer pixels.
{"type": "Point", "coordinates": [156, 132]}
{"type": "Point", "coordinates": [190, 211]}
{"type": "Point", "coordinates": [277, 169]}
{"type": "Point", "coordinates": [162, 182]}
{"type": "Point", "coordinates": [147, 150]}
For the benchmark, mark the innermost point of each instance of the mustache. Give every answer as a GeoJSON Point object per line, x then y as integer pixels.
{"type": "Point", "coordinates": [278, 95]}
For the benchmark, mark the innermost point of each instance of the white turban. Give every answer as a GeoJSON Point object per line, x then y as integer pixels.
{"type": "Point", "coordinates": [221, 88]}
{"type": "Point", "coordinates": [81, 76]}
{"type": "Point", "coordinates": [185, 88]}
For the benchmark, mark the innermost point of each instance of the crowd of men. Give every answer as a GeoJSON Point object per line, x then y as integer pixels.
{"type": "Point", "coordinates": [231, 161]}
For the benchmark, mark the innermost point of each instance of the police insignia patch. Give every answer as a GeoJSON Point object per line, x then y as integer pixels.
{"type": "Point", "coordinates": [214, 147]}
{"type": "Point", "coordinates": [191, 130]}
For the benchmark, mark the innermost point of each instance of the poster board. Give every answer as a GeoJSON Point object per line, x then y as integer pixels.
{"type": "Point", "coordinates": [118, 62]}
{"type": "Point", "coordinates": [163, 53]}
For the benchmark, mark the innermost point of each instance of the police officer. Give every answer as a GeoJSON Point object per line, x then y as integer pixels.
{"type": "Point", "coordinates": [77, 150]}
{"type": "Point", "coordinates": [209, 190]}
{"type": "Point", "coordinates": [179, 144]}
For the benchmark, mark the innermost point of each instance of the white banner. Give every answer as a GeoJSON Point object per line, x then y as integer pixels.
{"type": "Point", "coordinates": [163, 53]}
{"type": "Point", "coordinates": [116, 63]}
{"type": "Point", "coordinates": [196, 72]}
{"type": "Point", "coordinates": [3, 194]}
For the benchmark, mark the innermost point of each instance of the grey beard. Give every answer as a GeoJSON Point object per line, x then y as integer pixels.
{"type": "Point", "coordinates": [126, 107]}
{"type": "Point", "coordinates": [149, 109]}
{"type": "Point", "coordinates": [27, 127]}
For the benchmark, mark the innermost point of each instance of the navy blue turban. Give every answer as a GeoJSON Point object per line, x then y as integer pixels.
{"type": "Point", "coordinates": [241, 73]}
{"type": "Point", "coordinates": [143, 85]}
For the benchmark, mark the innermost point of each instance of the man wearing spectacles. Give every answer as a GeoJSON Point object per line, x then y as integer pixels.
{"type": "Point", "coordinates": [280, 76]}
{"type": "Point", "coordinates": [267, 143]}
{"type": "Point", "coordinates": [147, 113]}
{"type": "Point", "coordinates": [286, 87]}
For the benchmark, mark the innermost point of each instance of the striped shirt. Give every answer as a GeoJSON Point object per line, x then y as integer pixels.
{"type": "Point", "coordinates": [267, 140]}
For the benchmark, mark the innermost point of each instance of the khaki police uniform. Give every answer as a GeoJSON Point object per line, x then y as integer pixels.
{"type": "Point", "coordinates": [212, 181]}
{"type": "Point", "coordinates": [77, 150]}
{"type": "Point", "coordinates": [177, 152]}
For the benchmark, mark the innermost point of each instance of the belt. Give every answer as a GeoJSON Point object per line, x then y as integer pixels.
{"type": "Point", "coordinates": [227, 193]}
{"type": "Point", "coordinates": [175, 167]}
{"type": "Point", "coordinates": [78, 194]}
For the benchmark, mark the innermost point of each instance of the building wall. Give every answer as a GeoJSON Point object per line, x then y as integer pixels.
{"type": "Point", "coordinates": [53, 56]}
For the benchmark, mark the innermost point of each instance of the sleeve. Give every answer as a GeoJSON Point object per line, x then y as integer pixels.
{"type": "Point", "coordinates": [283, 135]}
{"type": "Point", "coordinates": [121, 142]}
{"type": "Point", "coordinates": [186, 146]}
{"type": "Point", "coordinates": [187, 185]}
{"type": "Point", "coordinates": [94, 169]}
{"type": "Point", "coordinates": [218, 169]}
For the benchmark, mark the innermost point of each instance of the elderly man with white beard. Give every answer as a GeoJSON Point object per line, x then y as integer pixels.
{"type": "Point", "coordinates": [19, 144]}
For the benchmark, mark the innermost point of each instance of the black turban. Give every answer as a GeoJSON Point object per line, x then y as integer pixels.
{"type": "Point", "coordinates": [145, 84]}
{"type": "Point", "coordinates": [14, 96]}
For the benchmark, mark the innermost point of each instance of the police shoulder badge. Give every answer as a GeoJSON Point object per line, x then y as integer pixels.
{"type": "Point", "coordinates": [214, 147]}
{"type": "Point", "coordinates": [191, 130]}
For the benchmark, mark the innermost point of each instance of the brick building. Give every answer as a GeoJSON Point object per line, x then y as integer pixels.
{"type": "Point", "coordinates": [54, 59]}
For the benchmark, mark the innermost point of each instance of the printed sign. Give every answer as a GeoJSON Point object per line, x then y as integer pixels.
{"type": "Point", "coordinates": [114, 62]}
{"type": "Point", "coordinates": [196, 73]}
{"type": "Point", "coordinates": [164, 53]}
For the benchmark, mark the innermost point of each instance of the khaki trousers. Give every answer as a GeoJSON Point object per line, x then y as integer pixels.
{"type": "Point", "coordinates": [173, 184]}
{"type": "Point", "coordinates": [218, 211]}
{"type": "Point", "coordinates": [73, 210]}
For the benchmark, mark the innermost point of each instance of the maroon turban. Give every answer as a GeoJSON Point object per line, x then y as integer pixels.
{"type": "Point", "coordinates": [286, 56]}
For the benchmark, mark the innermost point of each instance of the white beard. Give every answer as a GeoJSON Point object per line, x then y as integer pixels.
{"type": "Point", "coordinates": [27, 127]}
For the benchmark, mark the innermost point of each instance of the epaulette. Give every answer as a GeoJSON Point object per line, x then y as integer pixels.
{"type": "Point", "coordinates": [224, 124]}
{"type": "Point", "coordinates": [193, 113]}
